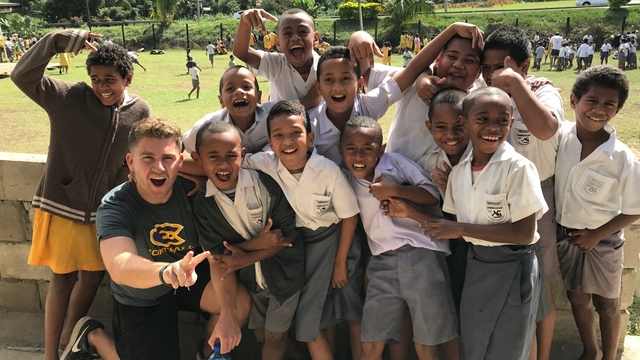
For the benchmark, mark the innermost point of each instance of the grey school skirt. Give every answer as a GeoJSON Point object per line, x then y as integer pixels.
{"type": "Point", "coordinates": [320, 305]}
{"type": "Point", "coordinates": [499, 302]}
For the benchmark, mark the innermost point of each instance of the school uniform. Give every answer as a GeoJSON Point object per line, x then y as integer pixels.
{"type": "Point", "coordinates": [407, 269]}
{"type": "Point", "coordinates": [239, 215]}
{"type": "Point", "coordinates": [502, 286]}
{"type": "Point", "coordinates": [321, 198]}
{"type": "Point", "coordinates": [374, 104]}
{"type": "Point", "coordinates": [285, 82]}
{"type": "Point", "coordinates": [589, 193]}
{"type": "Point", "coordinates": [254, 139]}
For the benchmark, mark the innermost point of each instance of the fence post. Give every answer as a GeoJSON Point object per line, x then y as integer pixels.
{"type": "Point", "coordinates": [187, 26]}
{"type": "Point", "coordinates": [153, 31]}
{"type": "Point", "coordinates": [624, 23]}
{"type": "Point", "coordinates": [221, 33]}
{"type": "Point", "coordinates": [335, 30]}
{"type": "Point", "coordinates": [419, 29]}
{"type": "Point", "coordinates": [568, 27]}
{"type": "Point", "coordinates": [375, 31]}
{"type": "Point", "coordinates": [517, 21]}
{"type": "Point", "coordinates": [124, 41]}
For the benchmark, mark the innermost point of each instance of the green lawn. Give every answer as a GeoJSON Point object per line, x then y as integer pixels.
{"type": "Point", "coordinates": [517, 6]}
{"type": "Point", "coordinates": [165, 86]}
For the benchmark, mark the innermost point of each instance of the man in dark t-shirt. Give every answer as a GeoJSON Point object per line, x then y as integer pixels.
{"type": "Point", "coordinates": [148, 239]}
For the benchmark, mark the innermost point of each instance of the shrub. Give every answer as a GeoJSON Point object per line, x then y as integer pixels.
{"type": "Point", "coordinates": [617, 4]}
{"type": "Point", "coordinates": [349, 10]}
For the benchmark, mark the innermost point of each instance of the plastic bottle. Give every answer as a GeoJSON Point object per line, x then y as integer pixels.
{"type": "Point", "coordinates": [215, 354]}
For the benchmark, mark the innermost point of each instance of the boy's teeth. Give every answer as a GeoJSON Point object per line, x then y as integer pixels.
{"type": "Point", "coordinates": [223, 173]}
{"type": "Point", "coordinates": [288, 151]}
{"type": "Point", "coordinates": [451, 143]}
{"type": "Point", "coordinates": [296, 47]}
{"type": "Point", "coordinates": [491, 138]}
{"type": "Point", "coordinates": [359, 166]}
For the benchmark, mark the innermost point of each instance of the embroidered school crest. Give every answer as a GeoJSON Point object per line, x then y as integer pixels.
{"type": "Point", "coordinates": [257, 219]}
{"type": "Point", "coordinates": [166, 235]}
{"type": "Point", "coordinates": [496, 211]}
{"type": "Point", "coordinates": [320, 206]}
{"type": "Point", "coordinates": [592, 186]}
{"type": "Point", "coordinates": [523, 137]}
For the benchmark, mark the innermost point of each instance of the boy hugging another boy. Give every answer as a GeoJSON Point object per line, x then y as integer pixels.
{"type": "Point", "coordinates": [244, 218]}
{"type": "Point", "coordinates": [407, 269]}
{"type": "Point", "coordinates": [326, 217]}
{"type": "Point", "coordinates": [596, 197]}
{"type": "Point", "coordinates": [496, 197]}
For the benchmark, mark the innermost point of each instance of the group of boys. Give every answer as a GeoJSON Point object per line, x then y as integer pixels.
{"type": "Point", "coordinates": [467, 214]}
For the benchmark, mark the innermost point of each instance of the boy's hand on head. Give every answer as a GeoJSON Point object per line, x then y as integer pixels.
{"type": "Point", "coordinates": [540, 82]}
{"type": "Point", "coordinates": [395, 207]}
{"type": "Point", "coordinates": [339, 278]}
{"type": "Point", "coordinates": [441, 176]}
{"type": "Point", "coordinates": [268, 238]}
{"type": "Point", "coordinates": [233, 259]}
{"type": "Point", "coordinates": [469, 31]}
{"type": "Point", "coordinates": [382, 189]}
{"type": "Point", "coordinates": [427, 86]}
{"type": "Point", "coordinates": [503, 78]}
{"type": "Point", "coordinates": [585, 239]}
{"type": "Point", "coordinates": [256, 18]}
{"type": "Point", "coordinates": [362, 47]}
{"type": "Point", "coordinates": [441, 229]}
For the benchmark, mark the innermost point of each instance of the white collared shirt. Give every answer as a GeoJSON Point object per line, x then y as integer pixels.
{"type": "Point", "coordinates": [246, 213]}
{"type": "Point", "coordinates": [285, 82]}
{"type": "Point", "coordinates": [254, 139]}
{"type": "Point", "coordinates": [435, 158]}
{"type": "Point", "coordinates": [386, 233]}
{"type": "Point", "coordinates": [373, 104]}
{"type": "Point", "coordinates": [592, 191]}
{"type": "Point", "coordinates": [322, 197]}
{"type": "Point", "coordinates": [541, 152]}
{"type": "Point", "coordinates": [507, 190]}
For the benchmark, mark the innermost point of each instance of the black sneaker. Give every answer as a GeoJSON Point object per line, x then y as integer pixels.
{"type": "Point", "coordinates": [78, 347]}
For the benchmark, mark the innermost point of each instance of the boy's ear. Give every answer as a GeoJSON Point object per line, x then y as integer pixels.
{"type": "Point", "coordinates": [360, 84]}
{"type": "Point", "coordinates": [573, 101]}
{"type": "Point", "coordinates": [243, 152]}
{"type": "Point", "coordinates": [128, 79]}
{"type": "Point", "coordinates": [181, 160]}
{"type": "Point", "coordinates": [259, 97]}
{"type": "Point", "coordinates": [310, 137]}
{"type": "Point", "coordinates": [463, 123]}
{"type": "Point", "coordinates": [318, 85]}
{"type": "Point", "coordinates": [429, 126]}
{"type": "Point", "coordinates": [196, 157]}
{"type": "Point", "coordinates": [340, 150]}
{"type": "Point", "coordinates": [524, 67]}
{"type": "Point", "coordinates": [316, 39]}
{"type": "Point", "coordinates": [221, 103]}
{"type": "Point", "coordinates": [383, 147]}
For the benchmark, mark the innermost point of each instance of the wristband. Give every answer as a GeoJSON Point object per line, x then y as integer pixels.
{"type": "Point", "coordinates": [162, 277]}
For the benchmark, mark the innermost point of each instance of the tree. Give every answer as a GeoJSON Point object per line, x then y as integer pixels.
{"type": "Point", "coordinates": [56, 10]}
{"type": "Point", "coordinates": [403, 11]}
{"type": "Point", "coordinates": [617, 4]}
{"type": "Point", "coordinates": [307, 5]}
{"type": "Point", "coordinates": [23, 25]}
{"type": "Point", "coordinates": [166, 9]}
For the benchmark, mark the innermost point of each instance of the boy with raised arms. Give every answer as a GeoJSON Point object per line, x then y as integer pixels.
{"type": "Point", "coordinates": [597, 180]}
{"type": "Point", "coordinates": [326, 218]}
{"type": "Point", "coordinates": [244, 219]}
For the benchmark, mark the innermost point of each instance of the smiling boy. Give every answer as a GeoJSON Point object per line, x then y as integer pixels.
{"type": "Point", "coordinates": [89, 128]}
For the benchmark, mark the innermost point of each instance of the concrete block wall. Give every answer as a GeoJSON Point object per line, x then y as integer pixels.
{"type": "Point", "coordinates": [23, 287]}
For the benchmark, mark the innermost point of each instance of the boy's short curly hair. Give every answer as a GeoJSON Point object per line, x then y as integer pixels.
{"type": "Point", "coordinates": [509, 38]}
{"type": "Point", "coordinates": [602, 76]}
{"type": "Point", "coordinates": [293, 12]}
{"type": "Point", "coordinates": [289, 108]}
{"type": "Point", "coordinates": [470, 100]}
{"type": "Point", "coordinates": [451, 96]}
{"type": "Point", "coordinates": [111, 55]}
{"type": "Point", "coordinates": [215, 127]}
{"type": "Point", "coordinates": [155, 128]}
{"type": "Point", "coordinates": [363, 122]}
{"type": "Point", "coordinates": [336, 52]}
{"type": "Point", "coordinates": [236, 68]}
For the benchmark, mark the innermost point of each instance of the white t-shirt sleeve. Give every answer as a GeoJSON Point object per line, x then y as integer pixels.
{"type": "Point", "coordinates": [629, 184]}
{"type": "Point", "coordinates": [263, 161]}
{"type": "Point", "coordinates": [550, 97]}
{"type": "Point", "coordinates": [270, 65]}
{"type": "Point", "coordinates": [378, 74]}
{"type": "Point", "coordinates": [449, 206]}
{"type": "Point", "coordinates": [343, 198]}
{"type": "Point", "coordinates": [524, 194]}
{"type": "Point", "coordinates": [416, 175]}
{"type": "Point", "coordinates": [378, 100]}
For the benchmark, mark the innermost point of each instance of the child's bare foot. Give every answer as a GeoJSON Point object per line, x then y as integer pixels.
{"type": "Point", "coordinates": [595, 354]}
{"type": "Point", "coordinates": [189, 95]}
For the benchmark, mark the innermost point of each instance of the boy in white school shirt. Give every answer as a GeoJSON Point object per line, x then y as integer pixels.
{"type": "Point", "coordinates": [496, 197]}
{"type": "Point", "coordinates": [326, 218]}
{"type": "Point", "coordinates": [596, 197]}
{"type": "Point", "coordinates": [407, 269]}
{"type": "Point", "coordinates": [537, 113]}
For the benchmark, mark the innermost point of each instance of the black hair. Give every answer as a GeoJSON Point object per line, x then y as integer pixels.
{"type": "Point", "coordinates": [293, 12]}
{"type": "Point", "coordinates": [451, 96]}
{"type": "Point", "coordinates": [603, 76]}
{"type": "Point", "coordinates": [470, 100]}
{"type": "Point", "coordinates": [236, 67]}
{"type": "Point", "coordinates": [454, 38]}
{"type": "Point", "coordinates": [336, 52]}
{"type": "Point", "coordinates": [512, 39]}
{"type": "Point", "coordinates": [111, 55]}
{"type": "Point", "coordinates": [291, 108]}
{"type": "Point", "coordinates": [363, 122]}
{"type": "Point", "coordinates": [214, 127]}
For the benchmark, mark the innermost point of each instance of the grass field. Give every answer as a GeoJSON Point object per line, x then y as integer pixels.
{"type": "Point", "coordinates": [517, 6]}
{"type": "Point", "coordinates": [165, 86]}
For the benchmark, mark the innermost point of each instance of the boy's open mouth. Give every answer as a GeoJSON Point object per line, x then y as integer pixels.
{"type": "Point", "coordinates": [289, 151]}
{"type": "Point", "coordinates": [223, 176]}
{"type": "Point", "coordinates": [158, 181]}
{"type": "Point", "coordinates": [297, 51]}
{"type": "Point", "coordinates": [490, 138]}
{"type": "Point", "coordinates": [338, 98]}
{"type": "Point", "coordinates": [241, 104]}
{"type": "Point", "coordinates": [359, 167]}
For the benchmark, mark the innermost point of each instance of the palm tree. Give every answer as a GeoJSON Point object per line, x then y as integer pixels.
{"type": "Point", "coordinates": [402, 11]}
{"type": "Point", "coordinates": [166, 9]}
{"type": "Point", "coordinates": [117, 3]}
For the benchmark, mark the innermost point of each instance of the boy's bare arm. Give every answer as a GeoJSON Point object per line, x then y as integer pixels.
{"type": "Point", "coordinates": [587, 239]}
{"type": "Point", "coordinates": [536, 116]}
{"type": "Point", "coordinates": [236, 259]}
{"type": "Point", "coordinates": [382, 189]}
{"type": "Point", "coordinates": [340, 277]}
{"type": "Point", "coordinates": [520, 232]}
{"type": "Point", "coordinates": [227, 329]}
{"type": "Point", "coordinates": [254, 18]}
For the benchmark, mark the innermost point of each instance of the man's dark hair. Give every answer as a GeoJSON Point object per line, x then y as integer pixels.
{"type": "Point", "coordinates": [293, 12]}
{"type": "Point", "coordinates": [509, 38]}
{"type": "Point", "coordinates": [470, 100]}
{"type": "Point", "coordinates": [363, 122]}
{"type": "Point", "coordinates": [214, 127]}
{"type": "Point", "coordinates": [602, 76]}
{"type": "Point", "coordinates": [451, 96]}
{"type": "Point", "coordinates": [290, 108]}
{"type": "Point", "coordinates": [236, 67]}
{"type": "Point", "coordinates": [336, 52]}
{"type": "Point", "coordinates": [111, 55]}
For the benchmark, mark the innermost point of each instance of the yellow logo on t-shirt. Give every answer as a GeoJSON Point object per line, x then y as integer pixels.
{"type": "Point", "coordinates": [166, 235]}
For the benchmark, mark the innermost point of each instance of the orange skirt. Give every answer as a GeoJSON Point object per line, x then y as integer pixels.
{"type": "Point", "coordinates": [63, 245]}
